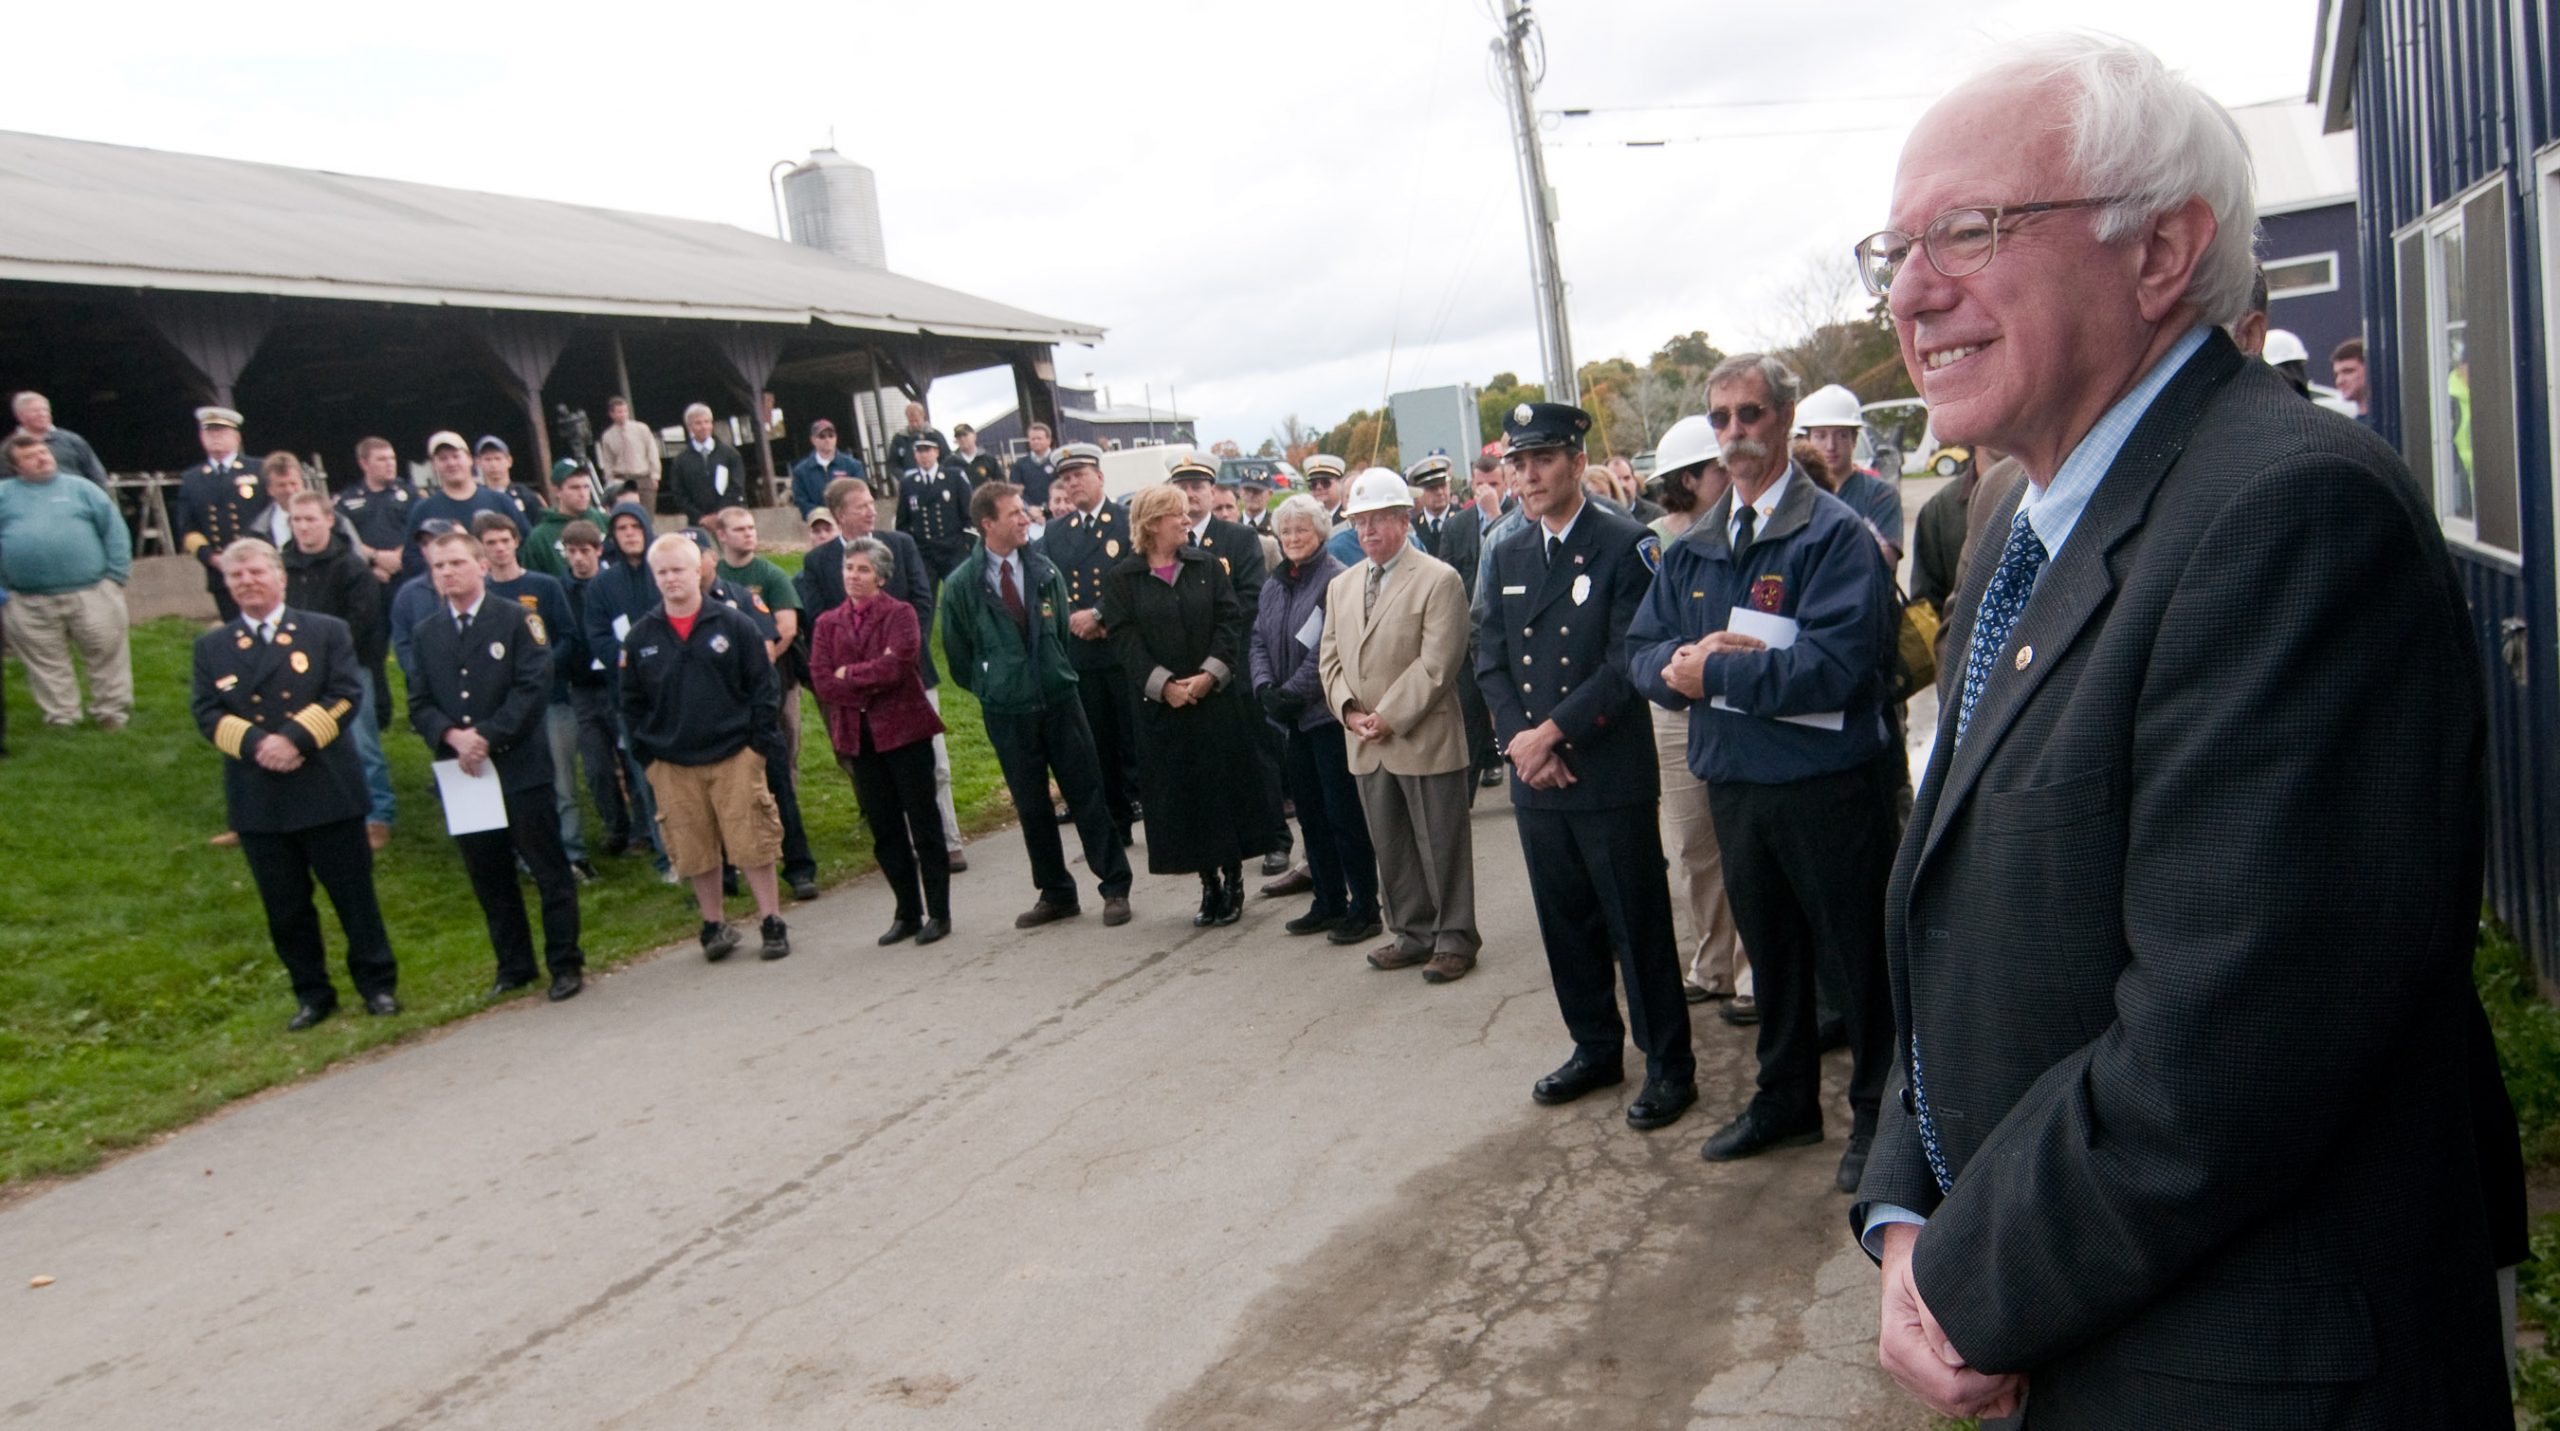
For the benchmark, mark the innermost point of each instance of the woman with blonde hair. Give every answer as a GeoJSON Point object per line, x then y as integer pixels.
{"type": "Point", "coordinates": [1178, 631]}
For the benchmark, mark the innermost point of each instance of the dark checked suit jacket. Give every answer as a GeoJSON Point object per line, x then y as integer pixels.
{"type": "Point", "coordinates": [2184, 931]}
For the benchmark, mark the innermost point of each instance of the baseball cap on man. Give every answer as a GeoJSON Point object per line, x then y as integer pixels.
{"type": "Point", "coordinates": [447, 439]}
{"type": "Point", "coordinates": [491, 444]}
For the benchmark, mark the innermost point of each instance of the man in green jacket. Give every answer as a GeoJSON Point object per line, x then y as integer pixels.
{"type": "Point", "coordinates": [573, 489]}
{"type": "Point", "coordinates": [1004, 636]}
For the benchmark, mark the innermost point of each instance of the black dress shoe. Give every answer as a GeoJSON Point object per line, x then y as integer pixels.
{"type": "Point", "coordinates": [1754, 1133]}
{"type": "Point", "coordinates": [804, 890]}
{"type": "Point", "coordinates": [1115, 910]}
{"type": "Point", "coordinates": [959, 863]}
{"type": "Point", "coordinates": [899, 930]}
{"type": "Point", "coordinates": [1575, 1079]}
{"type": "Point", "coordinates": [1741, 1011]}
{"type": "Point", "coordinates": [1661, 1104]}
{"type": "Point", "coordinates": [1314, 921]}
{"type": "Point", "coordinates": [308, 1015]}
{"type": "Point", "coordinates": [381, 1005]}
{"type": "Point", "coordinates": [1356, 929]}
{"type": "Point", "coordinates": [1275, 864]}
{"type": "Point", "coordinates": [1491, 778]}
{"type": "Point", "coordinates": [1213, 903]}
{"type": "Point", "coordinates": [566, 984]}
{"type": "Point", "coordinates": [1231, 898]}
{"type": "Point", "coordinates": [506, 986]}
{"type": "Point", "coordinates": [1853, 1163]}
{"type": "Point", "coordinates": [934, 931]}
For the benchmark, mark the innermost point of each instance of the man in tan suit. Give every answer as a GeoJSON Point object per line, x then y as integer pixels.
{"type": "Point", "coordinates": [1392, 654]}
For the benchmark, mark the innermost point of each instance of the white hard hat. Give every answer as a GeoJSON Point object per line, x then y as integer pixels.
{"type": "Point", "coordinates": [2283, 347]}
{"type": "Point", "coordinates": [1377, 490]}
{"type": "Point", "coordinates": [1834, 406]}
{"type": "Point", "coordinates": [1691, 440]}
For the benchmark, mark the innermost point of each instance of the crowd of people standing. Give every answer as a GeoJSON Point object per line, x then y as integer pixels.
{"type": "Point", "coordinates": [2157, 1097]}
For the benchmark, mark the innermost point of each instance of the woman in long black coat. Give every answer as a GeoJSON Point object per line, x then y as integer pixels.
{"type": "Point", "coordinates": [1178, 631]}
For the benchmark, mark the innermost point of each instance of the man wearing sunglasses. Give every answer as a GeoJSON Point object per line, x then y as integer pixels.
{"type": "Point", "coordinates": [2199, 1120]}
{"type": "Point", "coordinates": [1771, 624]}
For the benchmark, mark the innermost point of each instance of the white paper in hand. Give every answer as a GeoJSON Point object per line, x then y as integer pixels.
{"type": "Point", "coordinates": [621, 630]}
{"type": "Point", "coordinates": [1777, 633]}
{"type": "Point", "coordinates": [472, 803]}
{"type": "Point", "coordinates": [1312, 633]}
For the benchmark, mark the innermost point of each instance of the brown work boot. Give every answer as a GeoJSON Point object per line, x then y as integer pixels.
{"type": "Point", "coordinates": [1391, 955]}
{"type": "Point", "coordinates": [1448, 966]}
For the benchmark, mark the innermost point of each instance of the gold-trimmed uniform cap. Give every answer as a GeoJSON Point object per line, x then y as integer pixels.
{"type": "Point", "coordinates": [1074, 455]}
{"type": "Point", "coordinates": [1431, 471]}
{"type": "Point", "coordinates": [1533, 425]}
{"type": "Point", "coordinates": [219, 417]}
{"type": "Point", "coordinates": [1323, 464]}
{"type": "Point", "coordinates": [1197, 466]}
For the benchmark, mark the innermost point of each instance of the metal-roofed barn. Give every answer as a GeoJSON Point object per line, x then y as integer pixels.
{"type": "Point", "coordinates": [136, 283]}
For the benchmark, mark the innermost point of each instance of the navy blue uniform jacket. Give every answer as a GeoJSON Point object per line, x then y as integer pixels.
{"type": "Point", "coordinates": [1815, 562]}
{"type": "Point", "coordinates": [494, 678]}
{"type": "Point", "coordinates": [1551, 644]}
{"type": "Point", "coordinates": [300, 686]}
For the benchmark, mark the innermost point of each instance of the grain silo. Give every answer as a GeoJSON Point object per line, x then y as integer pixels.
{"type": "Point", "coordinates": [834, 204]}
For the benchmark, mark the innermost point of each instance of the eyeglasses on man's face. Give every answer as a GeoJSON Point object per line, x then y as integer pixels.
{"type": "Point", "coordinates": [1958, 242]}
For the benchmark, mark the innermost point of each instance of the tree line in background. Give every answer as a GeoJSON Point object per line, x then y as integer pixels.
{"type": "Point", "coordinates": [1631, 404]}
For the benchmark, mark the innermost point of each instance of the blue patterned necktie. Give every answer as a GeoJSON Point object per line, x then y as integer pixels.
{"type": "Point", "coordinates": [2002, 602]}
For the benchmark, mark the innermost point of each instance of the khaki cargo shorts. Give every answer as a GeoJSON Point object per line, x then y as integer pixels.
{"type": "Point", "coordinates": [705, 809]}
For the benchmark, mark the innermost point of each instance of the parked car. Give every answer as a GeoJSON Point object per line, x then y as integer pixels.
{"type": "Point", "coordinates": [1901, 425]}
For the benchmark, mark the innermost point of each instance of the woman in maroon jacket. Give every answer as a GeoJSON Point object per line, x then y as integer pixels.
{"type": "Point", "coordinates": [865, 662]}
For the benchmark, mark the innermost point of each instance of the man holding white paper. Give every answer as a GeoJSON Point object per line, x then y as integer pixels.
{"type": "Point", "coordinates": [480, 695]}
{"type": "Point", "coordinates": [1771, 623]}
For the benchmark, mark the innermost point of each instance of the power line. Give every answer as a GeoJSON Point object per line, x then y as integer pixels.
{"type": "Point", "coordinates": [1719, 138]}
{"type": "Point", "coordinates": [1585, 111]}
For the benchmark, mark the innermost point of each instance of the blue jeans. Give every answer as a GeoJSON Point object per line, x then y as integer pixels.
{"type": "Point", "coordinates": [560, 726]}
{"type": "Point", "coordinates": [377, 766]}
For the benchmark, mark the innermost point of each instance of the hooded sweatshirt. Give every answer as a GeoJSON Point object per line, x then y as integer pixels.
{"type": "Point", "coordinates": [622, 587]}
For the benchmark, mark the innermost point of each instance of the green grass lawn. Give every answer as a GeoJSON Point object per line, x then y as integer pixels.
{"type": "Point", "coordinates": [138, 990]}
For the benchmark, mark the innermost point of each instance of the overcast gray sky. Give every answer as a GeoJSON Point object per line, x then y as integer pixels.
{"type": "Point", "coordinates": [1273, 209]}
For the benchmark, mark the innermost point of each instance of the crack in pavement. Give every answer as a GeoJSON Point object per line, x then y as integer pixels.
{"type": "Point", "coordinates": [1567, 1272]}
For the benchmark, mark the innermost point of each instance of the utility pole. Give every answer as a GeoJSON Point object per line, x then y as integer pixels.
{"type": "Point", "coordinates": [1537, 200]}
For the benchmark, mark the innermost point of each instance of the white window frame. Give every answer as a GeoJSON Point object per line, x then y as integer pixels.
{"type": "Point", "coordinates": [2440, 433]}
{"type": "Point", "coordinates": [2278, 295]}
{"type": "Point", "coordinates": [2546, 170]}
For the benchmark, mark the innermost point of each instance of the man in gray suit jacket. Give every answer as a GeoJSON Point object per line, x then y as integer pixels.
{"type": "Point", "coordinates": [2198, 1121]}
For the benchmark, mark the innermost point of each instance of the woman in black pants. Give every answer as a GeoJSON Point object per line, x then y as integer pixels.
{"type": "Point", "coordinates": [1316, 767]}
{"type": "Point", "coordinates": [1178, 630]}
{"type": "Point", "coordinates": [865, 663]}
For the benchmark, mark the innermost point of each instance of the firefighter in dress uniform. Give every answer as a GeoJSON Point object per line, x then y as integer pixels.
{"type": "Point", "coordinates": [220, 500]}
{"type": "Point", "coordinates": [1084, 545]}
{"type": "Point", "coordinates": [933, 506]}
{"type": "Point", "coordinates": [1550, 658]}
{"type": "Point", "coordinates": [272, 686]}
{"type": "Point", "coordinates": [480, 693]}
